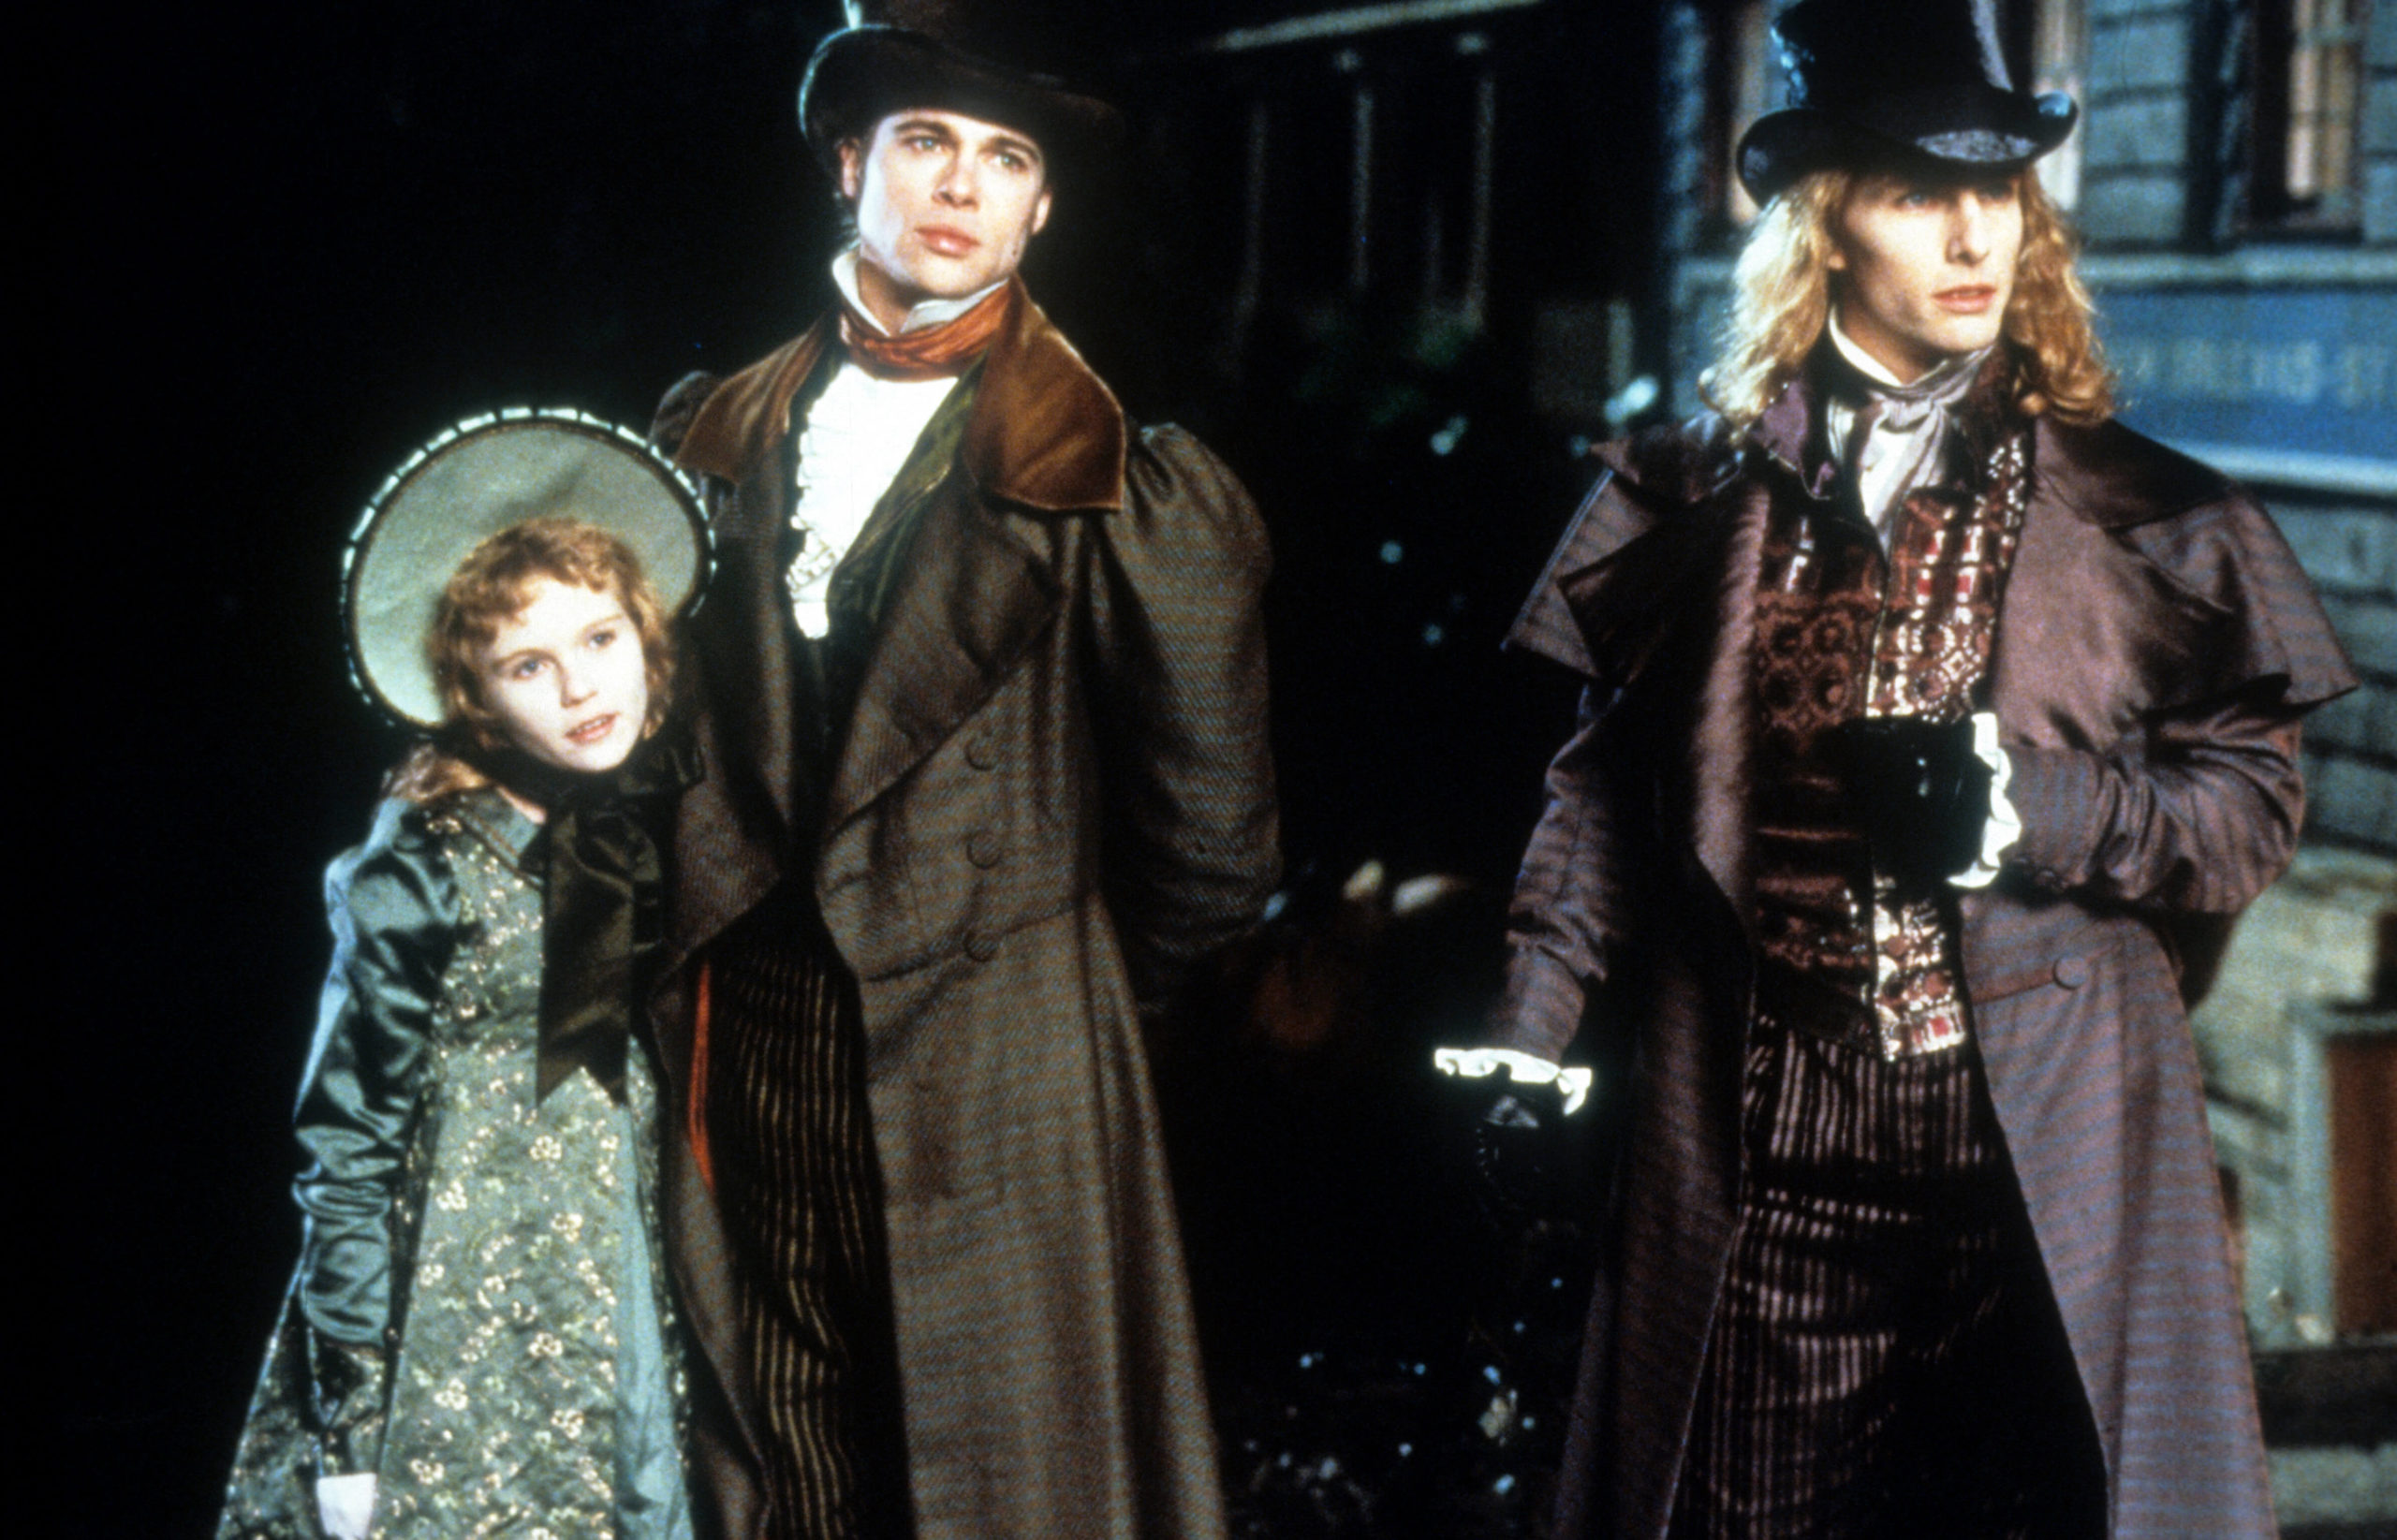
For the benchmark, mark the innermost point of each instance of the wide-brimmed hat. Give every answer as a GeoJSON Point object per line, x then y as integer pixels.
{"type": "Point", "coordinates": [489, 474]}
{"type": "Point", "coordinates": [1012, 65]}
{"type": "Point", "coordinates": [1897, 80]}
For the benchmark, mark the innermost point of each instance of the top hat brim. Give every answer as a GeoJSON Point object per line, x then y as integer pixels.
{"type": "Point", "coordinates": [861, 74]}
{"type": "Point", "coordinates": [1943, 129]}
{"type": "Point", "coordinates": [484, 475]}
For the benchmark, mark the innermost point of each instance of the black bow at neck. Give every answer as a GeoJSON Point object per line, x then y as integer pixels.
{"type": "Point", "coordinates": [603, 897]}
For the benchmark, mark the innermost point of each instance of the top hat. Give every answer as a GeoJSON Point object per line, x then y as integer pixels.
{"type": "Point", "coordinates": [1004, 64]}
{"type": "Point", "coordinates": [489, 474]}
{"type": "Point", "coordinates": [1922, 79]}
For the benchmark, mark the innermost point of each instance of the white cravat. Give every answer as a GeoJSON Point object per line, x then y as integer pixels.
{"type": "Point", "coordinates": [1903, 449]}
{"type": "Point", "coordinates": [857, 437]}
{"type": "Point", "coordinates": [1899, 456]}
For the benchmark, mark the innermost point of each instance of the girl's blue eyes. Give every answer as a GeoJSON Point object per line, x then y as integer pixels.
{"type": "Point", "coordinates": [598, 641]}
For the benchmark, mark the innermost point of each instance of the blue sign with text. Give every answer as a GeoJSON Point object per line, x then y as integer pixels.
{"type": "Point", "coordinates": [2295, 371]}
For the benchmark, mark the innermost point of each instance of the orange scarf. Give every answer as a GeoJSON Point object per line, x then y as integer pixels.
{"type": "Point", "coordinates": [933, 352]}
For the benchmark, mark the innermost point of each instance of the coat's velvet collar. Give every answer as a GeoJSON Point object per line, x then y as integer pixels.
{"type": "Point", "coordinates": [1046, 432]}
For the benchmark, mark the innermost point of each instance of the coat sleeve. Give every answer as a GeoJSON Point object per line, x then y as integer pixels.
{"type": "Point", "coordinates": [1566, 893]}
{"type": "Point", "coordinates": [1177, 642]}
{"type": "Point", "coordinates": [394, 913]}
{"type": "Point", "coordinates": [2197, 807]}
{"type": "Point", "coordinates": [2199, 813]}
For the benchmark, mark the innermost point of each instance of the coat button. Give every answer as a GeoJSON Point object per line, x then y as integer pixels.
{"type": "Point", "coordinates": [2072, 972]}
{"type": "Point", "coordinates": [982, 849]}
{"type": "Point", "coordinates": [980, 947]}
{"type": "Point", "coordinates": [982, 751]}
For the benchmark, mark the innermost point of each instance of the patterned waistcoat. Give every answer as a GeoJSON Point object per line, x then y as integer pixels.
{"type": "Point", "coordinates": [1844, 631]}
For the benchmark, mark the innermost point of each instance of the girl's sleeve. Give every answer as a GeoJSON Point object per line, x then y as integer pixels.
{"type": "Point", "coordinates": [395, 916]}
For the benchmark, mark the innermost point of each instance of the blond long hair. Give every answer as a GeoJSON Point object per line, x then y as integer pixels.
{"type": "Point", "coordinates": [492, 586]}
{"type": "Point", "coordinates": [1781, 301]}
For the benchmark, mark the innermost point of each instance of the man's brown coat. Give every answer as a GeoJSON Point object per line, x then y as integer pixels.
{"type": "Point", "coordinates": [1055, 792]}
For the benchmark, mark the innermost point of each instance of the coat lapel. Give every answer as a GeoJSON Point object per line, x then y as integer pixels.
{"type": "Point", "coordinates": [2114, 635]}
{"type": "Point", "coordinates": [1045, 437]}
{"type": "Point", "coordinates": [1669, 617]}
{"type": "Point", "coordinates": [740, 822]}
{"type": "Point", "coordinates": [973, 597]}
{"type": "Point", "coordinates": [1723, 733]}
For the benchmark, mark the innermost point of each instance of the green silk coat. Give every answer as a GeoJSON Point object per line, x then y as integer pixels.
{"type": "Point", "coordinates": [487, 1265]}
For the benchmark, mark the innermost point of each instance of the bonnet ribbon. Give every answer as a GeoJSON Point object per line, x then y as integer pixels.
{"type": "Point", "coordinates": [604, 900]}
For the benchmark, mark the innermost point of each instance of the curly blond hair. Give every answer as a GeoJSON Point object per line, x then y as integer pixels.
{"type": "Point", "coordinates": [492, 586]}
{"type": "Point", "coordinates": [1781, 301]}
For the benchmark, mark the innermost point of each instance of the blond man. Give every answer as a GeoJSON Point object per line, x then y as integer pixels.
{"type": "Point", "coordinates": [1934, 721]}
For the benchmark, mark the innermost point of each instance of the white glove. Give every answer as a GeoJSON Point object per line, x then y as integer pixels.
{"type": "Point", "coordinates": [1522, 1068]}
{"type": "Point", "coordinates": [346, 1504]}
{"type": "Point", "coordinates": [2005, 825]}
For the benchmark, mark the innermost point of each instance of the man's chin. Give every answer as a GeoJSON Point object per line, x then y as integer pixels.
{"type": "Point", "coordinates": [933, 277]}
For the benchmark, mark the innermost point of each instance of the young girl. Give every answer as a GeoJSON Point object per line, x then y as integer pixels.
{"type": "Point", "coordinates": [479, 1338]}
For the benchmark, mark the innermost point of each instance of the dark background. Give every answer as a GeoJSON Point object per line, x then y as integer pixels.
{"type": "Point", "coordinates": [277, 246]}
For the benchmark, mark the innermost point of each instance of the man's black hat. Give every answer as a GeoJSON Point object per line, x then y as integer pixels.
{"type": "Point", "coordinates": [1004, 63]}
{"type": "Point", "coordinates": [1897, 78]}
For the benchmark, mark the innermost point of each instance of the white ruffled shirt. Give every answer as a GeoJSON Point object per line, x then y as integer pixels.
{"type": "Point", "coordinates": [857, 438]}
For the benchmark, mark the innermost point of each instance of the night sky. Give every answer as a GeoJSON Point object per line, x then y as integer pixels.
{"type": "Point", "coordinates": [278, 246]}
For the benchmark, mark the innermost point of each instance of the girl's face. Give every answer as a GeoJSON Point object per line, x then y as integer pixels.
{"type": "Point", "coordinates": [566, 679]}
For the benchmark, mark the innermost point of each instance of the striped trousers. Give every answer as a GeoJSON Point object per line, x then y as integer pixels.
{"type": "Point", "coordinates": [792, 1139]}
{"type": "Point", "coordinates": [1886, 1358]}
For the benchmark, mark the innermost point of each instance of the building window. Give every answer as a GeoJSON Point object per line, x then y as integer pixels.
{"type": "Point", "coordinates": [2309, 91]}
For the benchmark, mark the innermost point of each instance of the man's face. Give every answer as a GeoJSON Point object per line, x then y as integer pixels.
{"type": "Point", "coordinates": [946, 204]}
{"type": "Point", "coordinates": [1925, 266]}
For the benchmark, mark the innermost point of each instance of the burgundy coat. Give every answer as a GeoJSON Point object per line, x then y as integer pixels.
{"type": "Point", "coordinates": [1053, 793]}
{"type": "Point", "coordinates": [2156, 646]}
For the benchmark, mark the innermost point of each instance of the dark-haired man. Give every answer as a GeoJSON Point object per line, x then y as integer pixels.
{"type": "Point", "coordinates": [1932, 717]}
{"type": "Point", "coordinates": [981, 696]}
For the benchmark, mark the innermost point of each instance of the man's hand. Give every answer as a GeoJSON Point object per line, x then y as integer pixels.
{"type": "Point", "coordinates": [1919, 792]}
{"type": "Point", "coordinates": [1520, 1159]}
{"type": "Point", "coordinates": [1517, 1172]}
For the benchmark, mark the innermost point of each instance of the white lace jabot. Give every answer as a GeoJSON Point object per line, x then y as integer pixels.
{"type": "Point", "coordinates": [857, 437]}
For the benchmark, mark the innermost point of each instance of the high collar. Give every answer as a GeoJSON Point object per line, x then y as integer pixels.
{"type": "Point", "coordinates": [1046, 434]}
{"type": "Point", "coordinates": [1791, 431]}
{"type": "Point", "coordinates": [1866, 364]}
{"type": "Point", "coordinates": [923, 314]}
